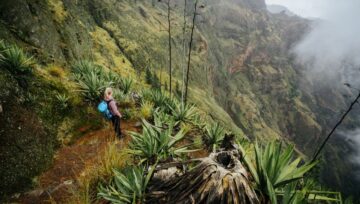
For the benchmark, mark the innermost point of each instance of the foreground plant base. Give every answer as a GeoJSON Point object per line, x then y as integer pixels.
{"type": "Point", "coordinates": [219, 178]}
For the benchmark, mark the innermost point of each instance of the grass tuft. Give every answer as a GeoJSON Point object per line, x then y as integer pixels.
{"type": "Point", "coordinates": [57, 72]}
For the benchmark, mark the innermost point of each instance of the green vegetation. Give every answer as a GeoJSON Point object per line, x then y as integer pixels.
{"type": "Point", "coordinates": [129, 185]}
{"type": "Point", "coordinates": [156, 143]}
{"type": "Point", "coordinates": [152, 79]}
{"type": "Point", "coordinates": [112, 77]}
{"type": "Point", "coordinates": [57, 71]}
{"type": "Point", "coordinates": [91, 87]}
{"type": "Point", "coordinates": [92, 79]}
{"type": "Point", "coordinates": [147, 110]}
{"type": "Point", "coordinates": [234, 94]}
{"type": "Point", "coordinates": [92, 176]}
{"type": "Point", "coordinates": [183, 113]}
{"type": "Point", "coordinates": [275, 168]}
{"type": "Point", "coordinates": [58, 10]}
{"type": "Point", "coordinates": [15, 59]}
{"type": "Point", "coordinates": [125, 85]}
{"type": "Point", "coordinates": [293, 194]}
{"type": "Point", "coordinates": [29, 122]}
{"type": "Point", "coordinates": [63, 101]}
{"type": "Point", "coordinates": [159, 98]}
{"type": "Point", "coordinates": [214, 136]}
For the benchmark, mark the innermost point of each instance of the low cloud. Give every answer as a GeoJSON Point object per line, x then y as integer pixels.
{"type": "Point", "coordinates": [331, 50]}
{"type": "Point", "coordinates": [352, 138]}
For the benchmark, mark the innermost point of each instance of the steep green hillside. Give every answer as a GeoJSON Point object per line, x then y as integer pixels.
{"type": "Point", "coordinates": [242, 72]}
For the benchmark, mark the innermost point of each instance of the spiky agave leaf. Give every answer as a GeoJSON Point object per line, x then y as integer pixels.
{"type": "Point", "coordinates": [85, 67]}
{"type": "Point", "coordinates": [214, 136]}
{"type": "Point", "coordinates": [128, 186]}
{"type": "Point", "coordinates": [274, 168]}
{"type": "Point", "coordinates": [182, 112]}
{"type": "Point", "coordinates": [125, 85]}
{"type": "Point", "coordinates": [156, 143]}
{"type": "Point", "coordinates": [162, 119]}
{"type": "Point", "coordinates": [14, 59]}
{"type": "Point", "coordinates": [114, 78]}
{"type": "Point", "coordinates": [145, 145]}
{"type": "Point", "coordinates": [91, 86]}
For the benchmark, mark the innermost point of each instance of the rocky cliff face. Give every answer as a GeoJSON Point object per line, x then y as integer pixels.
{"type": "Point", "coordinates": [242, 72]}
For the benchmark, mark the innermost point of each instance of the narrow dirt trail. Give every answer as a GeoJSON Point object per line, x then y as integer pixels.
{"type": "Point", "coordinates": [70, 161]}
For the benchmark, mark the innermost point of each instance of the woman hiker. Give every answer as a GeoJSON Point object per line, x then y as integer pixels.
{"type": "Point", "coordinates": [116, 115]}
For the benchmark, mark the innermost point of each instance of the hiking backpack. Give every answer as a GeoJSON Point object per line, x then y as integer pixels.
{"type": "Point", "coordinates": [103, 108]}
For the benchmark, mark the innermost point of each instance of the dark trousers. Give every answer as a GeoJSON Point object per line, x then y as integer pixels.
{"type": "Point", "coordinates": [116, 123]}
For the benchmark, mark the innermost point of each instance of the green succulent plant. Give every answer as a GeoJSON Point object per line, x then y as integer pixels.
{"type": "Point", "coordinates": [214, 134]}
{"type": "Point", "coordinates": [275, 168]}
{"type": "Point", "coordinates": [156, 143]}
{"type": "Point", "coordinates": [63, 101]}
{"type": "Point", "coordinates": [183, 113]}
{"type": "Point", "coordinates": [125, 85]}
{"type": "Point", "coordinates": [128, 186]}
{"type": "Point", "coordinates": [92, 80]}
{"type": "Point", "coordinates": [15, 60]}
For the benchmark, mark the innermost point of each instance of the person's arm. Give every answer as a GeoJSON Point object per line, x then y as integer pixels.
{"type": "Point", "coordinates": [114, 108]}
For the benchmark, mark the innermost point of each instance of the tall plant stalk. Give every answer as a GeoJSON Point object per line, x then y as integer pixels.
{"type": "Point", "coordinates": [190, 48]}
{"type": "Point", "coordinates": [335, 127]}
{"type": "Point", "coordinates": [170, 45]}
{"type": "Point", "coordinates": [184, 54]}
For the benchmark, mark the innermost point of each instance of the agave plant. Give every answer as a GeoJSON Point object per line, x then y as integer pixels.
{"type": "Point", "coordinates": [171, 103]}
{"type": "Point", "coordinates": [15, 59]}
{"type": "Point", "coordinates": [162, 119]}
{"type": "Point", "coordinates": [63, 100]}
{"type": "Point", "coordinates": [30, 98]}
{"type": "Point", "coordinates": [125, 85]}
{"type": "Point", "coordinates": [156, 143]}
{"type": "Point", "coordinates": [183, 113]}
{"type": "Point", "coordinates": [91, 80]}
{"type": "Point", "coordinates": [275, 168]}
{"type": "Point", "coordinates": [128, 186]}
{"type": "Point", "coordinates": [85, 67]}
{"type": "Point", "coordinates": [213, 136]}
{"type": "Point", "coordinates": [125, 100]}
{"type": "Point", "coordinates": [91, 86]}
{"type": "Point", "coordinates": [146, 95]}
{"type": "Point", "coordinates": [118, 94]}
{"type": "Point", "coordinates": [114, 78]}
{"type": "Point", "coordinates": [159, 98]}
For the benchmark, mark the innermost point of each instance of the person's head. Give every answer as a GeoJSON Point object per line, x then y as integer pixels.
{"type": "Point", "coordinates": [108, 93]}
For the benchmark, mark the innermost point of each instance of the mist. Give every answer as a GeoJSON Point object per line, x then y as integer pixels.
{"type": "Point", "coordinates": [331, 50]}
{"type": "Point", "coordinates": [352, 137]}
{"type": "Point", "coordinates": [330, 53]}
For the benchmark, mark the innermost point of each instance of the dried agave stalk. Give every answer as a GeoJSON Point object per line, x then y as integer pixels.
{"type": "Point", "coordinates": [219, 178]}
